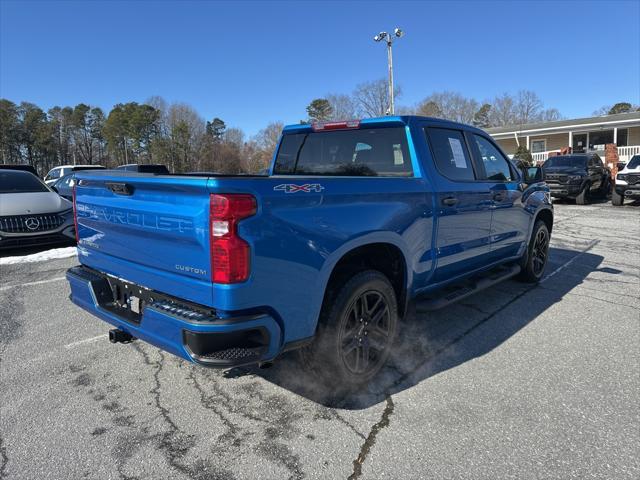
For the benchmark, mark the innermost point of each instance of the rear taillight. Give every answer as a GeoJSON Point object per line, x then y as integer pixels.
{"type": "Point", "coordinates": [75, 214]}
{"type": "Point", "coordinates": [230, 254]}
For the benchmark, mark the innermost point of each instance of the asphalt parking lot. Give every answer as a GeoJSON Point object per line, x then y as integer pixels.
{"type": "Point", "coordinates": [514, 382]}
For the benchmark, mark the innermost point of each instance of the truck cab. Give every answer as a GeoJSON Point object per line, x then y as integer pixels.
{"type": "Point", "coordinates": [355, 220]}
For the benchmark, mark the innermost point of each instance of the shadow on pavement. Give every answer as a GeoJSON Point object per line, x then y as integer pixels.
{"type": "Point", "coordinates": [430, 344]}
{"type": "Point", "coordinates": [31, 249]}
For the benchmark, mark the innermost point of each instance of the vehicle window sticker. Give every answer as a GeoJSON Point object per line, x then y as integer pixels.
{"type": "Point", "coordinates": [458, 153]}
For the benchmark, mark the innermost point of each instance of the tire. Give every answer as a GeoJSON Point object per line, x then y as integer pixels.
{"type": "Point", "coordinates": [343, 341]}
{"type": "Point", "coordinates": [605, 188]}
{"type": "Point", "coordinates": [535, 260]}
{"type": "Point", "coordinates": [583, 196]}
{"type": "Point", "coordinates": [616, 199]}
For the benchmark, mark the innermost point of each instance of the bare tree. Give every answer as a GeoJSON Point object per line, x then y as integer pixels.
{"type": "Point", "coordinates": [450, 105]}
{"type": "Point", "coordinates": [372, 98]}
{"type": "Point", "coordinates": [259, 151]}
{"type": "Point", "coordinates": [528, 107]}
{"type": "Point", "coordinates": [502, 111]}
{"type": "Point", "coordinates": [186, 129]}
{"type": "Point", "coordinates": [233, 136]}
{"type": "Point", "coordinates": [344, 106]}
{"type": "Point", "coordinates": [550, 115]}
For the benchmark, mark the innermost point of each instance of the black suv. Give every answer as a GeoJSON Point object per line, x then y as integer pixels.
{"type": "Point", "coordinates": [578, 175]}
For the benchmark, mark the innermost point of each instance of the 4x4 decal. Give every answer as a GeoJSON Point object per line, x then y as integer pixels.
{"type": "Point", "coordinates": [293, 188]}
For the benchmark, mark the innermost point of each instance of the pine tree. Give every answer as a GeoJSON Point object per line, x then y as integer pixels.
{"type": "Point", "coordinates": [481, 117]}
{"type": "Point", "coordinates": [319, 110]}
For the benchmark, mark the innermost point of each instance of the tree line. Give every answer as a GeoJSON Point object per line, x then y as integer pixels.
{"type": "Point", "coordinates": [175, 134]}
{"type": "Point", "coordinates": [151, 132]}
{"type": "Point", "coordinates": [371, 99]}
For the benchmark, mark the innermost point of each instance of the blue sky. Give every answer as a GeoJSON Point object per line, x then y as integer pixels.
{"type": "Point", "coordinates": [251, 63]}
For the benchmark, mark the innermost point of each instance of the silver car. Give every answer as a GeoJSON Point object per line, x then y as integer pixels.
{"type": "Point", "coordinates": [31, 213]}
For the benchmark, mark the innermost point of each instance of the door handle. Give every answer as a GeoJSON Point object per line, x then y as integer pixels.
{"type": "Point", "coordinates": [498, 196]}
{"type": "Point", "coordinates": [450, 201]}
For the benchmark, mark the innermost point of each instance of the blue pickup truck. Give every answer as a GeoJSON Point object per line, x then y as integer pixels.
{"type": "Point", "coordinates": [354, 221]}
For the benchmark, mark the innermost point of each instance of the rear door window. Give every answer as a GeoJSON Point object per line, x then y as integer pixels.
{"type": "Point", "coordinates": [360, 152]}
{"type": "Point", "coordinates": [450, 153]}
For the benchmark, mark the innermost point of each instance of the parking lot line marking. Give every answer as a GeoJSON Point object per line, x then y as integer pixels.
{"type": "Point", "coordinates": [592, 244]}
{"type": "Point", "coordinates": [28, 284]}
{"type": "Point", "coordinates": [86, 340]}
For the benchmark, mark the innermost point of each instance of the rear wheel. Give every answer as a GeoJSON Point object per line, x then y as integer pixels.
{"type": "Point", "coordinates": [356, 331]}
{"type": "Point", "coordinates": [616, 198]}
{"type": "Point", "coordinates": [583, 197]}
{"type": "Point", "coordinates": [535, 260]}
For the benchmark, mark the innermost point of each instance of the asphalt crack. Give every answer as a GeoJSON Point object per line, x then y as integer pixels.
{"type": "Point", "coordinates": [173, 442]}
{"type": "Point", "coordinates": [5, 458]}
{"type": "Point", "coordinates": [371, 439]}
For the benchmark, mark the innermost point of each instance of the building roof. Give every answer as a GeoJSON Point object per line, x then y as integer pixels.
{"type": "Point", "coordinates": [560, 126]}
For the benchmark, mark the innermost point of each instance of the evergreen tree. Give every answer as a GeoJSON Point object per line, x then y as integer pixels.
{"type": "Point", "coordinates": [621, 107]}
{"type": "Point", "coordinates": [319, 110]}
{"type": "Point", "coordinates": [523, 155]}
{"type": "Point", "coordinates": [216, 128]}
{"type": "Point", "coordinates": [481, 117]}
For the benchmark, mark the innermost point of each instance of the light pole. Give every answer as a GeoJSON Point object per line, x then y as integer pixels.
{"type": "Point", "coordinates": [397, 33]}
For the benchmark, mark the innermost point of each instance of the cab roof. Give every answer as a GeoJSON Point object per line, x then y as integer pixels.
{"type": "Point", "coordinates": [389, 121]}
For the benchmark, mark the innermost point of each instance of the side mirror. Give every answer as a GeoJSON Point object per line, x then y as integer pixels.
{"type": "Point", "coordinates": [532, 175]}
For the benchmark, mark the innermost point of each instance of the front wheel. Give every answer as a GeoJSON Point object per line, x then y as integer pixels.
{"type": "Point", "coordinates": [535, 259]}
{"type": "Point", "coordinates": [616, 198]}
{"type": "Point", "coordinates": [583, 197]}
{"type": "Point", "coordinates": [356, 331]}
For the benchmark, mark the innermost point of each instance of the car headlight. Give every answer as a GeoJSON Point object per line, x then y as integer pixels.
{"type": "Point", "coordinates": [66, 213]}
{"type": "Point", "coordinates": [622, 176]}
{"type": "Point", "coordinates": [574, 178]}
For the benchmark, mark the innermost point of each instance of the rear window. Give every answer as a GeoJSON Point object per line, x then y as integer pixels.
{"type": "Point", "coordinates": [362, 152]}
{"type": "Point", "coordinates": [20, 182]}
{"type": "Point", "coordinates": [450, 152]}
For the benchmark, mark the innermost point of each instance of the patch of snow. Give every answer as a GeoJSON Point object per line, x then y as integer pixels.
{"type": "Point", "coordinates": [52, 254]}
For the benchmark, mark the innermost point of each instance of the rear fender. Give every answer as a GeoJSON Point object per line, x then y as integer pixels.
{"type": "Point", "coordinates": [368, 239]}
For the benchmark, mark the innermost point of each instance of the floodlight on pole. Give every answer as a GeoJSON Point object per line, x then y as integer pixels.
{"type": "Point", "coordinates": [397, 33]}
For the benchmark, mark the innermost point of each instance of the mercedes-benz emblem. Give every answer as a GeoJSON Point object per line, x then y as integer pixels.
{"type": "Point", "coordinates": [32, 223]}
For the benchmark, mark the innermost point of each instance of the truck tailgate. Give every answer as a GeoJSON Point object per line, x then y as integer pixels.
{"type": "Point", "coordinates": [151, 230]}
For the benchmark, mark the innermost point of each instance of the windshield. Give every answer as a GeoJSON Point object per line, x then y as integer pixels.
{"type": "Point", "coordinates": [20, 182]}
{"type": "Point", "coordinates": [566, 161]}
{"type": "Point", "coordinates": [634, 162]}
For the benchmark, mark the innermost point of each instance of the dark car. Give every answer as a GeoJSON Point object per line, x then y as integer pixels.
{"type": "Point", "coordinates": [24, 168]}
{"type": "Point", "coordinates": [156, 168]}
{"type": "Point", "coordinates": [64, 186]}
{"type": "Point", "coordinates": [577, 176]}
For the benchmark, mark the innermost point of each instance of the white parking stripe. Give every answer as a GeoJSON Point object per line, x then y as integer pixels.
{"type": "Point", "coordinates": [86, 340]}
{"type": "Point", "coordinates": [39, 282]}
{"type": "Point", "coordinates": [592, 244]}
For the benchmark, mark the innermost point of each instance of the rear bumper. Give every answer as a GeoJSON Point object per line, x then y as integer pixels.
{"type": "Point", "coordinates": [209, 340]}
